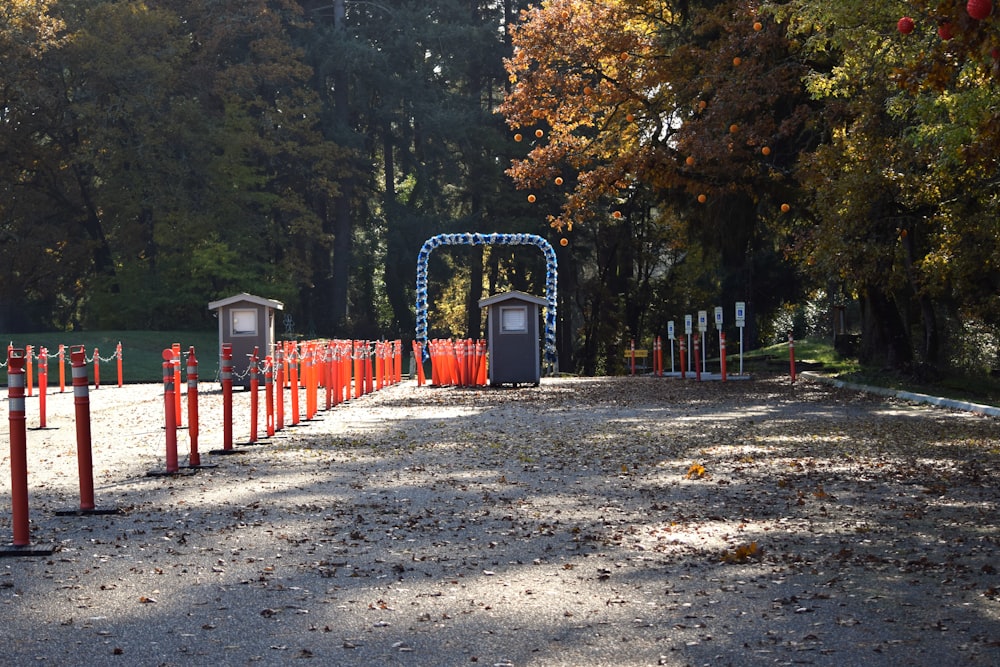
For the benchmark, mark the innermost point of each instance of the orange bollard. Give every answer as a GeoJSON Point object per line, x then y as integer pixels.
{"type": "Point", "coordinates": [29, 370]}
{"type": "Point", "coordinates": [722, 354]}
{"type": "Point", "coordinates": [367, 360]}
{"type": "Point", "coordinates": [683, 350]}
{"type": "Point", "coordinates": [170, 409]}
{"type": "Point", "coordinates": [632, 355]}
{"type": "Point", "coordinates": [398, 351]}
{"type": "Point", "coordinates": [18, 447]}
{"type": "Point", "coordinates": [81, 402]}
{"type": "Point", "coordinates": [62, 368]}
{"type": "Point", "coordinates": [118, 356]}
{"type": "Point", "coordinates": [97, 369]}
{"type": "Point", "coordinates": [293, 372]}
{"type": "Point", "coordinates": [43, 384]}
{"type": "Point", "coordinates": [312, 388]}
{"type": "Point", "coordinates": [658, 357]}
{"type": "Point", "coordinates": [279, 380]}
{"type": "Point", "coordinates": [328, 373]}
{"type": "Point", "coordinates": [194, 458]}
{"type": "Point", "coordinates": [791, 356]}
{"type": "Point", "coordinates": [226, 377]}
{"type": "Point", "coordinates": [254, 386]}
{"type": "Point", "coordinates": [178, 412]}
{"type": "Point", "coordinates": [269, 395]}
{"type": "Point", "coordinates": [697, 358]}
{"type": "Point", "coordinates": [358, 381]}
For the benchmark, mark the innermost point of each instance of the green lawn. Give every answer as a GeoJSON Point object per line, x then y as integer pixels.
{"type": "Point", "coordinates": [142, 351]}
{"type": "Point", "coordinates": [983, 389]}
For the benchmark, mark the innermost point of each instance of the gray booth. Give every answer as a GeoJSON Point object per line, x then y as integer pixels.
{"type": "Point", "coordinates": [246, 321]}
{"type": "Point", "coordinates": [512, 322]}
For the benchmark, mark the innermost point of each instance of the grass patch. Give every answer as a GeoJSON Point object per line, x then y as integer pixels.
{"type": "Point", "coordinates": [142, 360]}
{"type": "Point", "coordinates": [817, 354]}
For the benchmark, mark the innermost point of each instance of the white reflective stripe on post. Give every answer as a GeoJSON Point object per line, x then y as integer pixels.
{"type": "Point", "coordinates": [15, 403]}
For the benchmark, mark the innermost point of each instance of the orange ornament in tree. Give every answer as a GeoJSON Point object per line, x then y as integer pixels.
{"type": "Point", "coordinates": [559, 180]}
{"type": "Point", "coordinates": [734, 128]}
{"type": "Point", "coordinates": [979, 9]}
{"type": "Point", "coordinates": [564, 242]}
{"type": "Point", "coordinates": [702, 199]}
{"type": "Point", "coordinates": [531, 199]}
{"type": "Point", "coordinates": [737, 61]}
{"type": "Point", "coordinates": [785, 208]}
{"type": "Point", "coordinates": [766, 150]}
{"type": "Point", "coordinates": [689, 161]}
{"type": "Point", "coordinates": [758, 26]}
{"type": "Point", "coordinates": [518, 137]}
{"type": "Point", "coordinates": [617, 215]}
{"type": "Point", "coordinates": [539, 133]}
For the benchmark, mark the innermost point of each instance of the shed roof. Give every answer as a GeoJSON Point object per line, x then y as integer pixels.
{"type": "Point", "coordinates": [512, 295]}
{"type": "Point", "coordinates": [238, 298]}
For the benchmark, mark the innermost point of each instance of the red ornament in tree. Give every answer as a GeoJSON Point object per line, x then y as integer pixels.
{"type": "Point", "coordinates": [979, 9]}
{"type": "Point", "coordinates": [905, 25]}
{"type": "Point", "coordinates": [944, 31]}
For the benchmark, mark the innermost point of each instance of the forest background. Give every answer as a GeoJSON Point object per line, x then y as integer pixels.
{"type": "Point", "coordinates": [804, 157]}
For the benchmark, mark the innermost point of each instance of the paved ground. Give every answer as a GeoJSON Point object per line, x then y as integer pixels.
{"type": "Point", "coordinates": [624, 521]}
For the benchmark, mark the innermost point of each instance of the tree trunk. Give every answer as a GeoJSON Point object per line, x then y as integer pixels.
{"type": "Point", "coordinates": [884, 341]}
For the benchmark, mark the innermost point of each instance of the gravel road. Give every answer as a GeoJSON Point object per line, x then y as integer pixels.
{"type": "Point", "coordinates": [606, 521]}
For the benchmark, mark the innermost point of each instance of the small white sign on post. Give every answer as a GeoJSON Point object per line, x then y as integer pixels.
{"type": "Point", "coordinates": [718, 317]}
{"type": "Point", "coordinates": [670, 330]}
{"type": "Point", "coordinates": [702, 321]}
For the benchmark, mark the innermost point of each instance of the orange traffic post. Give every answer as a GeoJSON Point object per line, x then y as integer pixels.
{"type": "Point", "coordinates": [309, 366]}
{"type": "Point", "coordinates": [293, 371]}
{"type": "Point", "coordinates": [62, 368]}
{"type": "Point", "coordinates": [29, 370]}
{"type": "Point", "coordinates": [658, 356]}
{"type": "Point", "coordinates": [226, 379]}
{"type": "Point", "coordinates": [43, 384]}
{"type": "Point", "coordinates": [697, 358]}
{"type": "Point", "coordinates": [97, 369]}
{"type": "Point", "coordinates": [368, 359]}
{"type": "Point", "coordinates": [170, 411]}
{"type": "Point", "coordinates": [791, 356]}
{"type": "Point", "coordinates": [176, 350]}
{"type": "Point", "coordinates": [81, 402]}
{"type": "Point", "coordinates": [722, 354]}
{"type": "Point", "coordinates": [632, 355]}
{"type": "Point", "coordinates": [398, 350]}
{"type": "Point", "coordinates": [194, 458]}
{"type": "Point", "coordinates": [269, 395]}
{"type": "Point", "coordinates": [18, 447]}
{"type": "Point", "coordinates": [358, 381]}
{"type": "Point", "coordinates": [279, 381]}
{"type": "Point", "coordinates": [329, 372]}
{"type": "Point", "coordinates": [683, 350]}
{"type": "Point", "coordinates": [254, 387]}
{"type": "Point", "coordinates": [118, 356]}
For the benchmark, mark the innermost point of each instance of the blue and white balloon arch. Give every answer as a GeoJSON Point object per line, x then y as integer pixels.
{"type": "Point", "coordinates": [551, 270]}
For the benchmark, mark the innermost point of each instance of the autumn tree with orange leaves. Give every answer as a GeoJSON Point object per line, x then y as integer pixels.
{"type": "Point", "coordinates": [696, 108]}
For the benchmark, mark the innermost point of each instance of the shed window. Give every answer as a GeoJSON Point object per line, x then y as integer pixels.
{"type": "Point", "coordinates": [244, 322]}
{"type": "Point", "coordinates": [513, 319]}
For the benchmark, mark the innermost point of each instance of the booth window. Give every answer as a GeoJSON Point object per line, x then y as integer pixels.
{"type": "Point", "coordinates": [513, 319]}
{"type": "Point", "coordinates": [244, 322]}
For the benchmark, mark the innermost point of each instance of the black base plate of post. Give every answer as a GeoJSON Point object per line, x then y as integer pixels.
{"type": "Point", "coordinates": [27, 550]}
{"type": "Point", "coordinates": [97, 511]}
